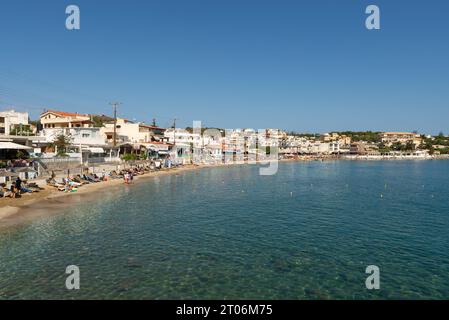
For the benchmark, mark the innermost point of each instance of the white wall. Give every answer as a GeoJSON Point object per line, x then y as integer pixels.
{"type": "Point", "coordinates": [83, 136]}
{"type": "Point", "coordinates": [13, 118]}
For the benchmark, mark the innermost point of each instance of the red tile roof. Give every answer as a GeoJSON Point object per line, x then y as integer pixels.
{"type": "Point", "coordinates": [152, 127]}
{"type": "Point", "coordinates": [65, 114]}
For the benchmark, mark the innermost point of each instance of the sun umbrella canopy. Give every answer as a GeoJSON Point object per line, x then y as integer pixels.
{"type": "Point", "coordinates": [8, 174]}
{"type": "Point", "coordinates": [94, 150]}
{"type": "Point", "coordinates": [24, 169]}
{"type": "Point", "coordinates": [13, 146]}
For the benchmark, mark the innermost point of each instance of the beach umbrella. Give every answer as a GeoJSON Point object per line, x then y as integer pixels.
{"type": "Point", "coordinates": [8, 174]}
{"type": "Point", "coordinates": [13, 146]}
{"type": "Point", "coordinates": [24, 169]}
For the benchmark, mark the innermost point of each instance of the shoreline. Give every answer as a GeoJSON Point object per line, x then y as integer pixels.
{"type": "Point", "coordinates": [48, 201]}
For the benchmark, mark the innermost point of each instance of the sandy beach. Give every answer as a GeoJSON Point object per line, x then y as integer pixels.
{"type": "Point", "coordinates": [50, 201]}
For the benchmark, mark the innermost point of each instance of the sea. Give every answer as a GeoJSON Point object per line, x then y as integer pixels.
{"type": "Point", "coordinates": [310, 231]}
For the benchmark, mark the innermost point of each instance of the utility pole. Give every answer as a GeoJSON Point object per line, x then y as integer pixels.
{"type": "Point", "coordinates": [174, 131]}
{"type": "Point", "coordinates": [115, 105]}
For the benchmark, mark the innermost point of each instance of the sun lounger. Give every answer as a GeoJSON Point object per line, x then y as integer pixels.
{"type": "Point", "coordinates": [53, 183]}
{"type": "Point", "coordinates": [80, 180]}
{"type": "Point", "coordinates": [34, 185]}
{"type": "Point", "coordinates": [91, 178]}
{"type": "Point", "coordinates": [5, 194]}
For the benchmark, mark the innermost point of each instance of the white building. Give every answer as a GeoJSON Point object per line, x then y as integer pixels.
{"type": "Point", "coordinates": [130, 132]}
{"type": "Point", "coordinates": [401, 137]}
{"type": "Point", "coordinates": [77, 126]}
{"type": "Point", "coordinates": [79, 136]}
{"type": "Point", "coordinates": [182, 136]}
{"type": "Point", "coordinates": [11, 118]}
{"type": "Point", "coordinates": [334, 147]}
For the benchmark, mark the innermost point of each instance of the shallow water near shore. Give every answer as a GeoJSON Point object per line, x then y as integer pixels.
{"type": "Point", "coordinates": [307, 232]}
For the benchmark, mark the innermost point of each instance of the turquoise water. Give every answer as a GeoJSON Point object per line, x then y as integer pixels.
{"type": "Point", "coordinates": [308, 232]}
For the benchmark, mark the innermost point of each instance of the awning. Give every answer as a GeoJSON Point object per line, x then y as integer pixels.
{"type": "Point", "coordinates": [158, 147]}
{"type": "Point", "coordinates": [13, 146]}
{"type": "Point", "coordinates": [94, 150]}
{"type": "Point", "coordinates": [182, 145]}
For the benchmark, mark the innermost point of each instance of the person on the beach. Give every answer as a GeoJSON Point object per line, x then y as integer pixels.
{"type": "Point", "coordinates": [24, 188]}
{"type": "Point", "coordinates": [4, 192]}
{"type": "Point", "coordinates": [105, 175]}
{"type": "Point", "coordinates": [19, 184]}
{"type": "Point", "coordinates": [13, 190]}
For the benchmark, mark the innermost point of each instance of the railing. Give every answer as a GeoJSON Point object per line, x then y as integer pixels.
{"type": "Point", "coordinates": [102, 160]}
{"type": "Point", "coordinates": [60, 160]}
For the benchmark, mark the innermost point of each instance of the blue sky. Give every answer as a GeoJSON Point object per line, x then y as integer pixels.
{"type": "Point", "coordinates": [308, 66]}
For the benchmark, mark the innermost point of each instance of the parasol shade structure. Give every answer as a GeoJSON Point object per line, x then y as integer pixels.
{"type": "Point", "coordinates": [24, 169]}
{"type": "Point", "coordinates": [8, 174]}
{"type": "Point", "coordinates": [13, 146]}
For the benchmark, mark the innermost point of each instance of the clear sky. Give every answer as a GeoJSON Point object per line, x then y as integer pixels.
{"type": "Point", "coordinates": [308, 66]}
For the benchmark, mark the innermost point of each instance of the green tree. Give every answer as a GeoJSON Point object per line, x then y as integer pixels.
{"type": "Point", "coordinates": [21, 130]}
{"type": "Point", "coordinates": [129, 156]}
{"type": "Point", "coordinates": [61, 143]}
{"type": "Point", "coordinates": [409, 146]}
{"type": "Point", "coordinates": [22, 155]}
{"type": "Point", "coordinates": [396, 146]}
{"type": "Point", "coordinates": [383, 148]}
{"type": "Point", "coordinates": [100, 120]}
{"type": "Point", "coordinates": [368, 136]}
